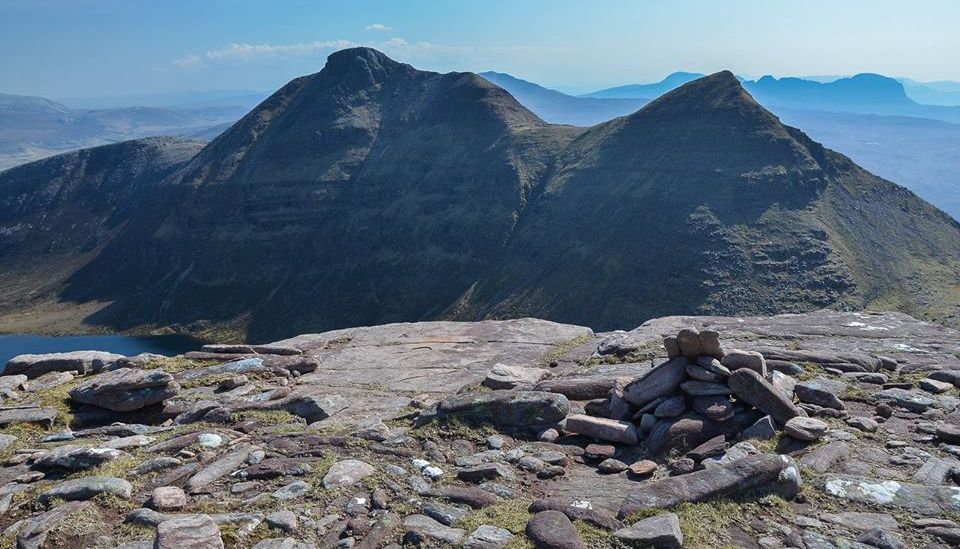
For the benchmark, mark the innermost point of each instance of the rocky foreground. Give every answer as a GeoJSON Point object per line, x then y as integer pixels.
{"type": "Point", "coordinates": [817, 430]}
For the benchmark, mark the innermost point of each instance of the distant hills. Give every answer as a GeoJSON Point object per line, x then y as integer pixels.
{"type": "Point", "coordinates": [374, 192]}
{"type": "Point", "coordinates": [920, 153]}
{"type": "Point", "coordinates": [862, 93]}
{"type": "Point", "coordinates": [34, 127]}
{"type": "Point", "coordinates": [554, 106]}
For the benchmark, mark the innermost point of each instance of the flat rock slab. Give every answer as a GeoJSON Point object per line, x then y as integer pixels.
{"type": "Point", "coordinates": [766, 473]}
{"type": "Point", "coordinates": [71, 457]}
{"type": "Point", "coordinates": [87, 487]}
{"type": "Point", "coordinates": [826, 337]}
{"type": "Point", "coordinates": [429, 530]}
{"type": "Point", "coordinates": [661, 531]}
{"type": "Point", "coordinates": [347, 473]}
{"type": "Point", "coordinates": [925, 500]}
{"type": "Point", "coordinates": [188, 531]}
{"type": "Point", "coordinates": [220, 467]}
{"type": "Point", "coordinates": [80, 361]}
{"type": "Point", "coordinates": [41, 416]}
{"type": "Point", "coordinates": [502, 376]}
{"type": "Point", "coordinates": [373, 366]}
{"type": "Point", "coordinates": [33, 533]}
{"type": "Point", "coordinates": [126, 389]}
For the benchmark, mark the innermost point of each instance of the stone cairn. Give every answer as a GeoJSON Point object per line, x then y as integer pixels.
{"type": "Point", "coordinates": [697, 401]}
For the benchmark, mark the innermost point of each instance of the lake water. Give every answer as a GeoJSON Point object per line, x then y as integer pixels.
{"type": "Point", "coordinates": [13, 345]}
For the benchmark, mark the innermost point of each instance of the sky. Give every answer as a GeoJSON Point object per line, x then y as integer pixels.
{"type": "Point", "coordinates": [97, 48]}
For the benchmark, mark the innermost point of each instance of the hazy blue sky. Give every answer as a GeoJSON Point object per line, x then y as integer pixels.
{"type": "Point", "coordinates": [64, 48]}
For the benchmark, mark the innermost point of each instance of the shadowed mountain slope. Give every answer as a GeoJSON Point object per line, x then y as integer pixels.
{"type": "Point", "coordinates": [372, 192]}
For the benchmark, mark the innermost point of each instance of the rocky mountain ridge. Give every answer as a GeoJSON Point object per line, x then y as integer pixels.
{"type": "Point", "coordinates": [373, 192]}
{"type": "Point", "coordinates": [810, 430]}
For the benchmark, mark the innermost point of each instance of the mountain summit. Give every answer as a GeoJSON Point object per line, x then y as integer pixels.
{"type": "Point", "coordinates": [373, 192]}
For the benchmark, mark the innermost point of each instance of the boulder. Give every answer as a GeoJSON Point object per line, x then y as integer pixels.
{"type": "Point", "coordinates": [198, 531]}
{"type": "Point", "coordinates": [699, 373]}
{"type": "Point", "coordinates": [661, 380]}
{"type": "Point", "coordinates": [735, 359]}
{"type": "Point", "coordinates": [760, 473]}
{"type": "Point", "coordinates": [487, 536]}
{"type": "Point", "coordinates": [660, 531]}
{"type": "Point", "coordinates": [704, 388]}
{"type": "Point", "coordinates": [805, 428]}
{"type": "Point", "coordinates": [762, 429]}
{"type": "Point", "coordinates": [578, 388]}
{"type": "Point", "coordinates": [714, 447]}
{"type": "Point", "coordinates": [908, 399]}
{"type": "Point", "coordinates": [168, 498]}
{"type": "Point", "coordinates": [686, 432]}
{"type": "Point", "coordinates": [710, 344]}
{"type": "Point", "coordinates": [934, 386]}
{"type": "Point", "coordinates": [502, 376]}
{"type": "Point", "coordinates": [717, 408]}
{"type": "Point", "coordinates": [423, 530]}
{"type": "Point", "coordinates": [822, 392]}
{"type": "Point", "coordinates": [671, 407]}
{"type": "Point", "coordinates": [41, 416]}
{"type": "Point", "coordinates": [126, 389]}
{"type": "Point", "coordinates": [599, 517]}
{"type": "Point", "coordinates": [347, 473]}
{"type": "Point", "coordinates": [671, 346]}
{"type": "Point", "coordinates": [71, 457]}
{"type": "Point", "coordinates": [215, 470]}
{"type": "Point", "coordinates": [553, 530]}
{"type": "Point", "coordinates": [312, 408]}
{"type": "Point", "coordinates": [87, 487]}
{"type": "Point", "coordinates": [83, 362]}
{"type": "Point", "coordinates": [713, 365]}
{"type": "Point", "coordinates": [602, 429]}
{"type": "Point", "coordinates": [756, 391]}
{"type": "Point", "coordinates": [509, 409]}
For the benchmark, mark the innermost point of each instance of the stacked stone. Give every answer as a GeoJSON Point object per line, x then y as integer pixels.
{"type": "Point", "coordinates": [703, 395]}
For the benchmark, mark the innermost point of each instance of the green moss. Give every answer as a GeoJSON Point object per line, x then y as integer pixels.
{"type": "Point", "coordinates": [511, 515]}
{"type": "Point", "coordinates": [176, 364]}
{"type": "Point", "coordinates": [595, 538]}
{"type": "Point", "coordinates": [809, 371]}
{"type": "Point", "coordinates": [127, 531]}
{"type": "Point", "coordinates": [270, 417]}
{"type": "Point", "coordinates": [565, 347]}
{"type": "Point", "coordinates": [466, 426]}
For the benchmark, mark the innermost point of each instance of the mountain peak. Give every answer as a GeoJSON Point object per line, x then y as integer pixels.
{"type": "Point", "coordinates": [721, 90]}
{"type": "Point", "coordinates": [362, 62]}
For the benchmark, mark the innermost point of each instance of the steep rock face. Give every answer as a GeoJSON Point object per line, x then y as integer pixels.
{"type": "Point", "coordinates": [58, 213]}
{"type": "Point", "coordinates": [372, 192]}
{"type": "Point", "coordinates": [704, 201]}
{"type": "Point", "coordinates": [368, 191]}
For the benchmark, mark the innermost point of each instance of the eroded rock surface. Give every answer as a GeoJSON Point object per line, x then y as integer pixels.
{"type": "Point", "coordinates": [477, 434]}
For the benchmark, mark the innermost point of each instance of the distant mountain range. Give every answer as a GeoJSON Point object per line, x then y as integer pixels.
{"type": "Point", "coordinates": [920, 153]}
{"type": "Point", "coordinates": [862, 93]}
{"type": "Point", "coordinates": [374, 192]}
{"type": "Point", "coordinates": [34, 127]}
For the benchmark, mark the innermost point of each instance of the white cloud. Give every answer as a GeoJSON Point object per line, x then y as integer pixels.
{"type": "Point", "coordinates": [378, 27]}
{"type": "Point", "coordinates": [243, 52]}
{"type": "Point", "coordinates": [188, 60]}
{"type": "Point", "coordinates": [247, 52]}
